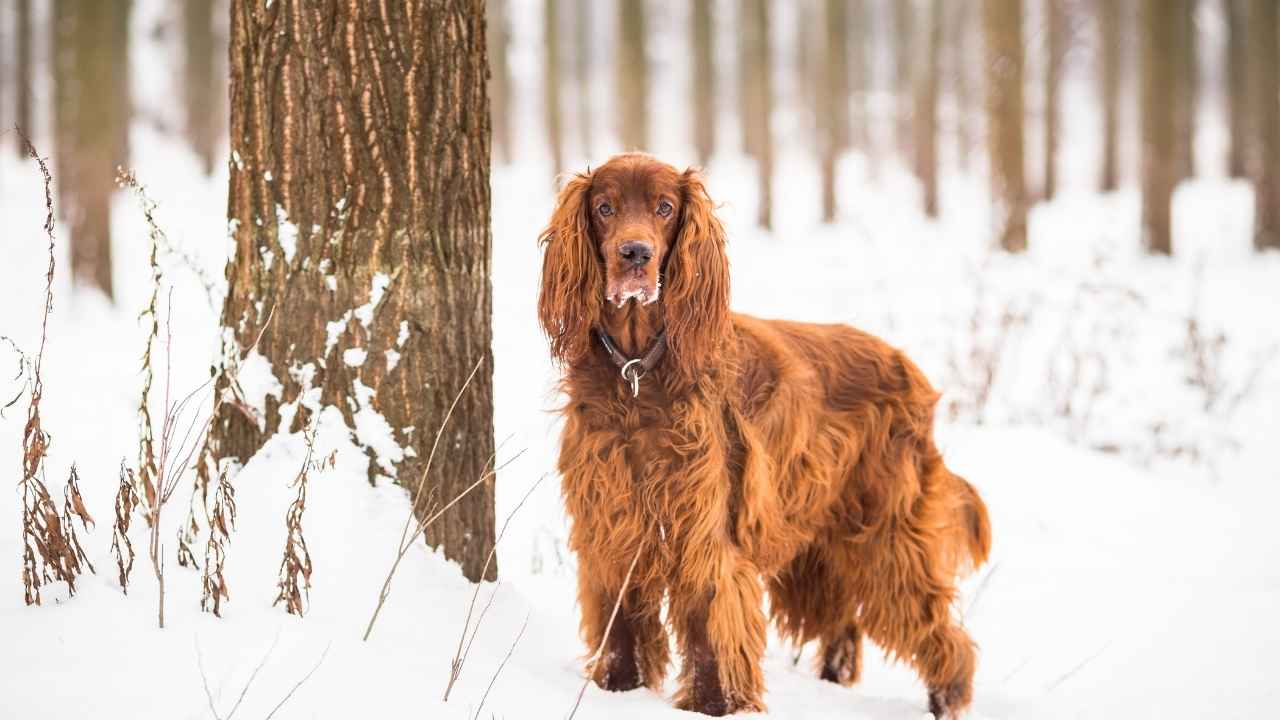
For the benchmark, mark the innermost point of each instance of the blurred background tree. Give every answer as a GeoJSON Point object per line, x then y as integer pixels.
{"type": "Point", "coordinates": [868, 90]}
{"type": "Point", "coordinates": [91, 115]}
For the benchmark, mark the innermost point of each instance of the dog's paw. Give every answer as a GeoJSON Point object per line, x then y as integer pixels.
{"type": "Point", "coordinates": [948, 701]}
{"type": "Point", "coordinates": [716, 705]}
{"type": "Point", "coordinates": [840, 661]}
{"type": "Point", "coordinates": [617, 674]}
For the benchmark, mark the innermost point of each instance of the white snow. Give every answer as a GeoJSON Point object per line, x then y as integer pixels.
{"type": "Point", "coordinates": [1134, 572]}
{"type": "Point", "coordinates": [354, 357]}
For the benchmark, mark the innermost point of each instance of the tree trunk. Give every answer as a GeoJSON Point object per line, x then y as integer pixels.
{"type": "Point", "coordinates": [498, 38]}
{"type": "Point", "coordinates": [551, 85]}
{"type": "Point", "coordinates": [1237, 83]}
{"type": "Point", "coordinates": [1186, 85]}
{"type": "Point", "coordinates": [1264, 65]}
{"type": "Point", "coordinates": [359, 213]}
{"type": "Point", "coordinates": [22, 74]}
{"type": "Point", "coordinates": [1111, 22]}
{"type": "Point", "coordinates": [91, 121]}
{"type": "Point", "coordinates": [757, 101]}
{"type": "Point", "coordinates": [1055, 51]}
{"type": "Point", "coordinates": [704, 80]}
{"type": "Point", "coordinates": [833, 100]}
{"type": "Point", "coordinates": [632, 76]}
{"type": "Point", "coordinates": [961, 36]}
{"type": "Point", "coordinates": [1002, 21]}
{"type": "Point", "coordinates": [1159, 124]}
{"type": "Point", "coordinates": [860, 75]}
{"type": "Point", "coordinates": [203, 91]}
{"type": "Point", "coordinates": [582, 71]}
{"type": "Point", "coordinates": [904, 60]}
{"type": "Point", "coordinates": [926, 120]}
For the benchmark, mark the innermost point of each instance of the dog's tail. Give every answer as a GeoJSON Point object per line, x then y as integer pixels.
{"type": "Point", "coordinates": [973, 526]}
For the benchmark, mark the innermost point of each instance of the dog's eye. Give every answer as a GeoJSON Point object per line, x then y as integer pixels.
{"type": "Point", "coordinates": [605, 209]}
{"type": "Point", "coordinates": [664, 208]}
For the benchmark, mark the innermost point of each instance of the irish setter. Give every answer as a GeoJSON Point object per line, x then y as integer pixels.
{"type": "Point", "coordinates": [731, 455]}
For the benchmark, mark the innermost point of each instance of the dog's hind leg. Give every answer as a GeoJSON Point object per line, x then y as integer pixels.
{"type": "Point", "coordinates": [810, 600]}
{"type": "Point", "coordinates": [840, 655]}
{"type": "Point", "coordinates": [906, 589]}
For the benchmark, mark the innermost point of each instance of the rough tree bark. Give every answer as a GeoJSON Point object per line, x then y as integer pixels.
{"type": "Point", "coordinates": [1111, 29]}
{"type": "Point", "coordinates": [1264, 66]}
{"type": "Point", "coordinates": [704, 80]}
{"type": "Point", "coordinates": [926, 114]}
{"type": "Point", "coordinates": [1236, 81]}
{"type": "Point", "coordinates": [1055, 52]}
{"type": "Point", "coordinates": [91, 125]}
{"type": "Point", "coordinates": [832, 98]}
{"type": "Point", "coordinates": [1159, 30]}
{"type": "Point", "coordinates": [551, 104]}
{"type": "Point", "coordinates": [1002, 23]}
{"type": "Point", "coordinates": [499, 37]}
{"type": "Point", "coordinates": [359, 208]}
{"type": "Point", "coordinates": [632, 71]}
{"type": "Point", "coordinates": [202, 86]}
{"type": "Point", "coordinates": [757, 100]}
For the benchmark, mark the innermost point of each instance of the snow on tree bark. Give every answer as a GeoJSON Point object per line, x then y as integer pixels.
{"type": "Point", "coordinates": [359, 212]}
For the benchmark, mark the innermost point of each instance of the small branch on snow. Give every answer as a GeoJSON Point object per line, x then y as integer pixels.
{"type": "Point", "coordinates": [460, 657]}
{"type": "Point", "coordinates": [501, 665]}
{"type": "Point", "coordinates": [407, 539]}
{"type": "Point", "coordinates": [300, 682]}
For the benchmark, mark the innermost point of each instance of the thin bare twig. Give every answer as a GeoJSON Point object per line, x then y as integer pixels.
{"type": "Point", "coordinates": [204, 679]}
{"type": "Point", "coordinates": [501, 665]}
{"type": "Point", "coordinates": [300, 682]}
{"type": "Point", "coordinates": [245, 690]}
{"type": "Point", "coordinates": [406, 539]}
{"type": "Point", "coordinates": [1077, 668]}
{"type": "Point", "coordinates": [982, 588]}
{"type": "Point", "coordinates": [464, 645]}
{"type": "Point", "coordinates": [404, 549]}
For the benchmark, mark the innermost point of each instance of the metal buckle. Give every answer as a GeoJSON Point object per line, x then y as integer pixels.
{"type": "Point", "coordinates": [635, 376]}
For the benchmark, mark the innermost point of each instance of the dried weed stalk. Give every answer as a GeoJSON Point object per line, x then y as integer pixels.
{"type": "Point", "coordinates": [295, 565]}
{"type": "Point", "coordinates": [974, 374]}
{"type": "Point", "coordinates": [127, 500]}
{"type": "Point", "coordinates": [222, 520]}
{"type": "Point", "coordinates": [50, 549]}
{"type": "Point", "coordinates": [160, 240]}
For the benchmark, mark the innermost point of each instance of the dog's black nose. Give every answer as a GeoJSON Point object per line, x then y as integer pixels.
{"type": "Point", "coordinates": [637, 253]}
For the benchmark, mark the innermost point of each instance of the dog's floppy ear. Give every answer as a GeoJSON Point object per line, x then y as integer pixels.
{"type": "Point", "coordinates": [696, 282]}
{"type": "Point", "coordinates": [571, 298]}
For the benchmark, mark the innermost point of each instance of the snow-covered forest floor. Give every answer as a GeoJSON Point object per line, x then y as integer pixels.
{"type": "Point", "coordinates": [1118, 413]}
{"type": "Point", "coordinates": [1134, 569]}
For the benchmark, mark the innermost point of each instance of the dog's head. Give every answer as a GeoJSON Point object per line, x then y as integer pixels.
{"type": "Point", "coordinates": [635, 230]}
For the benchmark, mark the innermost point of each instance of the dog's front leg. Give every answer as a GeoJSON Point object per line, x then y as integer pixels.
{"type": "Point", "coordinates": [635, 651]}
{"type": "Point", "coordinates": [721, 630]}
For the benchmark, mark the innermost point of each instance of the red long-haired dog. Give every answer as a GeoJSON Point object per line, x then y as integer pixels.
{"type": "Point", "coordinates": [731, 455]}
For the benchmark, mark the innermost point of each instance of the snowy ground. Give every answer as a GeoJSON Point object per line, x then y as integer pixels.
{"type": "Point", "coordinates": [1120, 584]}
{"type": "Point", "coordinates": [1135, 570]}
